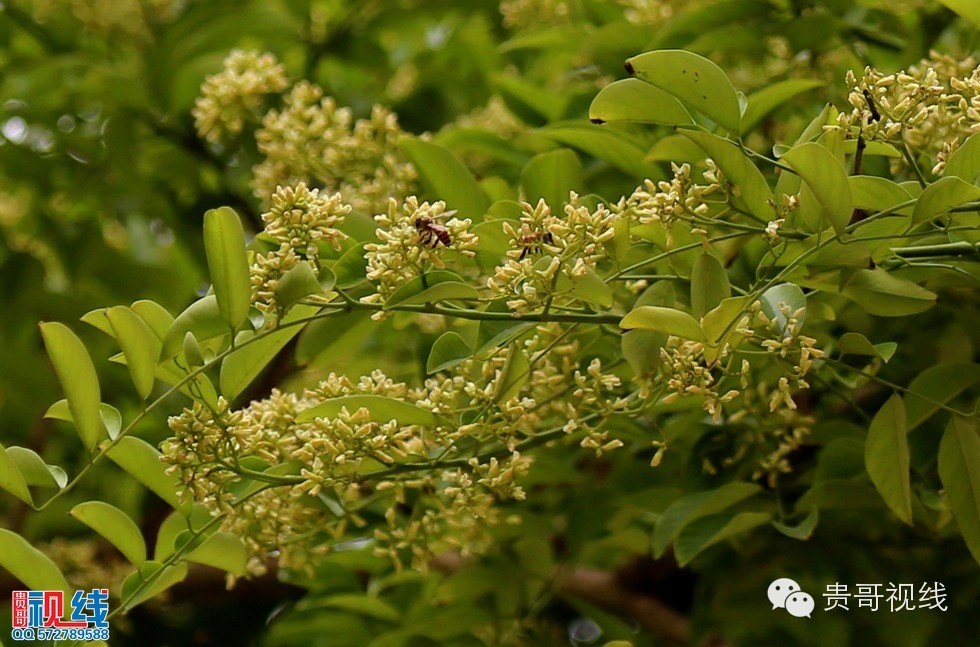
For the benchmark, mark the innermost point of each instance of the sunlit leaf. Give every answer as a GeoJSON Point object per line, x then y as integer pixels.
{"type": "Point", "coordinates": [139, 344]}
{"type": "Point", "coordinates": [224, 244]}
{"type": "Point", "coordinates": [221, 550]}
{"type": "Point", "coordinates": [693, 79]}
{"type": "Point", "coordinates": [143, 463]}
{"type": "Point", "coordinates": [150, 580]}
{"type": "Point", "coordinates": [11, 478]}
{"type": "Point", "coordinates": [636, 100]}
{"type": "Point", "coordinates": [78, 379]}
{"type": "Point", "coordinates": [34, 470]}
{"type": "Point", "coordinates": [115, 526]}
{"type": "Point", "coordinates": [667, 320]}
{"type": "Point", "coordinates": [825, 176]}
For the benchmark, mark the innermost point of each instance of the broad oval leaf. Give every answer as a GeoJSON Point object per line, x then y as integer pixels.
{"type": "Point", "coordinates": [447, 351]}
{"type": "Point", "coordinates": [551, 176]}
{"type": "Point", "coordinates": [874, 193]}
{"type": "Point", "coordinates": [28, 565]}
{"type": "Point", "coordinates": [826, 177]}
{"type": "Point", "coordinates": [221, 550]}
{"type": "Point", "coordinates": [668, 320]}
{"type": "Point", "coordinates": [447, 178]}
{"type": "Point", "coordinates": [11, 478]}
{"type": "Point", "coordinates": [964, 163]}
{"type": "Point", "coordinates": [298, 282]}
{"type": "Point", "coordinates": [151, 579]}
{"type": "Point", "coordinates": [224, 244]}
{"type": "Point", "coordinates": [139, 344]}
{"type": "Point", "coordinates": [770, 97]}
{"type": "Point", "coordinates": [614, 147]}
{"type": "Point", "coordinates": [782, 300]}
{"type": "Point", "coordinates": [202, 318]}
{"type": "Point", "coordinates": [959, 470]}
{"type": "Point", "coordinates": [382, 409]}
{"type": "Point", "coordinates": [941, 196]}
{"type": "Point", "coordinates": [754, 193]}
{"type": "Point", "coordinates": [853, 343]}
{"type": "Point", "coordinates": [513, 376]}
{"type": "Point", "coordinates": [33, 469]}
{"type": "Point", "coordinates": [886, 456]}
{"type": "Point", "coordinates": [115, 526]}
{"type": "Point", "coordinates": [709, 285]}
{"type": "Point", "coordinates": [886, 295]}
{"type": "Point", "coordinates": [244, 364]}
{"type": "Point", "coordinates": [694, 506]}
{"type": "Point", "coordinates": [709, 530]}
{"type": "Point", "coordinates": [142, 462]}
{"type": "Point", "coordinates": [592, 289]}
{"type": "Point", "coordinates": [77, 376]}
{"type": "Point", "coordinates": [937, 385]}
{"type": "Point", "coordinates": [694, 80]}
{"type": "Point", "coordinates": [421, 289]}
{"type": "Point", "coordinates": [636, 100]}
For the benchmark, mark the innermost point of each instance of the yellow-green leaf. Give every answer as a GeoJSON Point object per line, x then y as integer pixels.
{"type": "Point", "coordinates": [11, 478]}
{"type": "Point", "coordinates": [115, 526]}
{"type": "Point", "coordinates": [224, 244]}
{"type": "Point", "coordinates": [826, 177]}
{"type": "Point", "coordinates": [78, 379]}
{"type": "Point", "coordinates": [139, 344]}
{"type": "Point", "coordinates": [636, 100]}
{"type": "Point", "coordinates": [668, 320]}
{"type": "Point", "coordinates": [142, 462]}
{"type": "Point", "coordinates": [886, 456]}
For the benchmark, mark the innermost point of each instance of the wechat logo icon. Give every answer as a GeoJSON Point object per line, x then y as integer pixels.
{"type": "Point", "coordinates": [785, 593]}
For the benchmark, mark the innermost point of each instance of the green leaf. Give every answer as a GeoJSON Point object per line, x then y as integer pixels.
{"type": "Point", "coordinates": [636, 100]}
{"type": "Point", "coordinates": [382, 409]}
{"type": "Point", "coordinates": [964, 163]}
{"type": "Point", "coordinates": [151, 579]}
{"type": "Point", "coordinates": [668, 320]}
{"type": "Point", "coordinates": [244, 364]}
{"type": "Point", "coordinates": [694, 506]}
{"type": "Point", "coordinates": [139, 344]}
{"type": "Point", "coordinates": [193, 355]}
{"type": "Point", "coordinates": [224, 244]}
{"type": "Point", "coordinates": [754, 193]}
{"type": "Point", "coordinates": [447, 351]}
{"type": "Point", "coordinates": [968, 9]}
{"type": "Point", "coordinates": [614, 147]}
{"type": "Point", "coordinates": [592, 289]}
{"type": "Point", "coordinates": [886, 456]}
{"type": "Point", "coordinates": [143, 463]}
{"type": "Point", "coordinates": [97, 319]}
{"type": "Point", "coordinates": [441, 291]}
{"type": "Point", "coordinates": [707, 531]}
{"type": "Point", "coordinates": [351, 269]}
{"type": "Point", "coordinates": [110, 416]}
{"type": "Point", "coordinates": [941, 196]}
{"type": "Point", "coordinates": [155, 316]}
{"type": "Point", "coordinates": [29, 566]}
{"type": "Point", "coordinates": [709, 285]}
{"type": "Point", "coordinates": [298, 282]}
{"type": "Point", "coordinates": [854, 343]}
{"type": "Point", "coordinates": [779, 296]}
{"type": "Point", "coordinates": [77, 376]}
{"type": "Point", "coordinates": [770, 97]}
{"type": "Point", "coordinates": [886, 295]}
{"type": "Point", "coordinates": [202, 318]}
{"type": "Point", "coordinates": [513, 376]}
{"type": "Point", "coordinates": [221, 550]}
{"type": "Point", "coordinates": [11, 478]}
{"type": "Point", "coordinates": [937, 385]}
{"type": "Point", "coordinates": [694, 80]}
{"type": "Point", "coordinates": [115, 526]}
{"type": "Point", "coordinates": [33, 468]}
{"type": "Point", "coordinates": [959, 470]}
{"type": "Point", "coordinates": [804, 529]}
{"type": "Point", "coordinates": [551, 176]}
{"type": "Point", "coordinates": [826, 177]}
{"type": "Point", "coordinates": [718, 320]}
{"type": "Point", "coordinates": [364, 605]}
{"type": "Point", "coordinates": [447, 178]}
{"type": "Point", "coordinates": [873, 193]}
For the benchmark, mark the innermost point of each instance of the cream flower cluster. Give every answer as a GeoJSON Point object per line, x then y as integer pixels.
{"type": "Point", "coordinates": [298, 222]}
{"type": "Point", "coordinates": [236, 95]}
{"type": "Point", "coordinates": [665, 202]}
{"type": "Point", "coordinates": [413, 239]}
{"type": "Point", "coordinates": [310, 139]}
{"type": "Point", "coordinates": [548, 248]}
{"type": "Point", "coordinates": [932, 107]}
